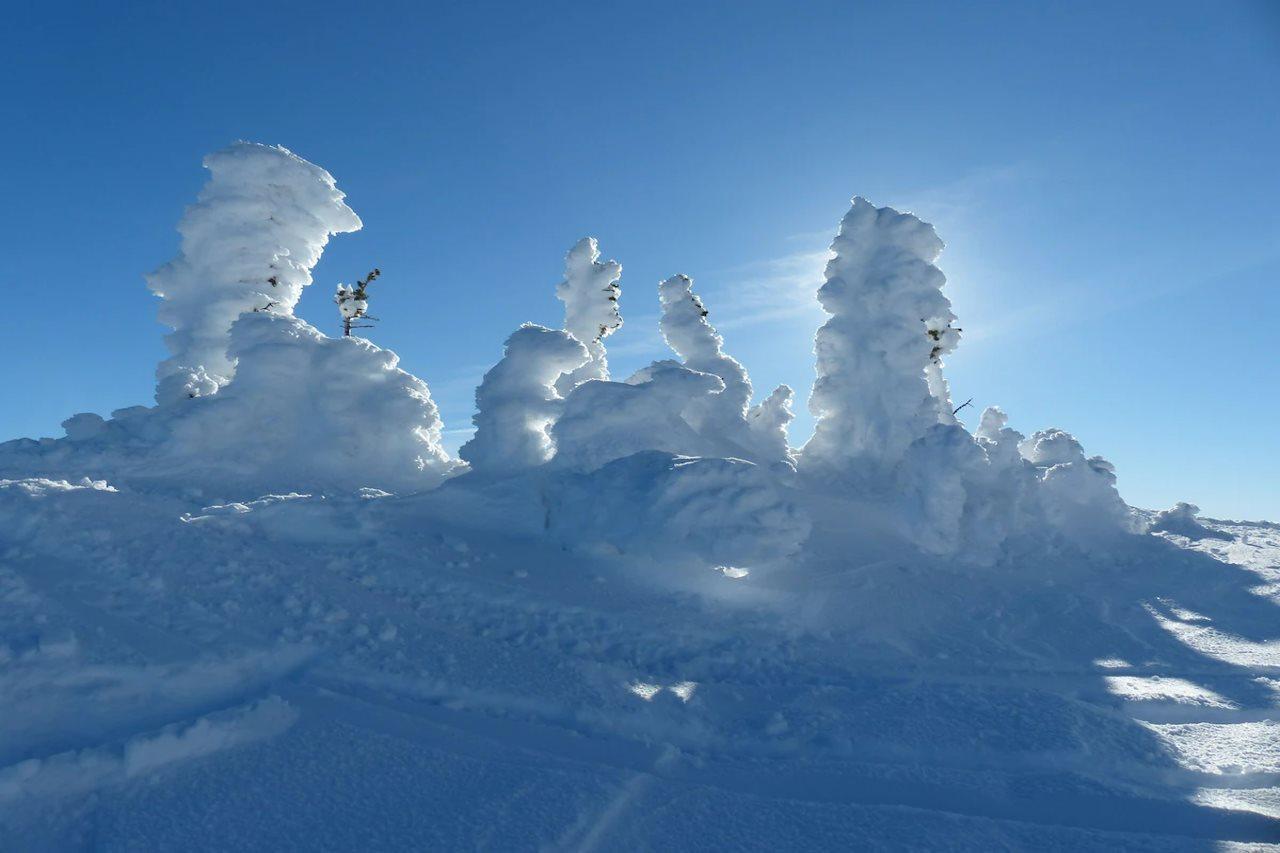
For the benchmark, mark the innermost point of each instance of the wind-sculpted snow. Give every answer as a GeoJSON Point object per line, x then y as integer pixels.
{"type": "Point", "coordinates": [280, 616]}
{"type": "Point", "coordinates": [655, 504]}
{"type": "Point", "coordinates": [590, 295]}
{"type": "Point", "coordinates": [758, 434]}
{"type": "Point", "coordinates": [1078, 495]}
{"type": "Point", "coordinates": [517, 402]}
{"type": "Point", "coordinates": [603, 421]}
{"type": "Point", "coordinates": [304, 411]}
{"type": "Point", "coordinates": [1180, 520]}
{"type": "Point", "coordinates": [890, 326]}
{"type": "Point", "coordinates": [248, 243]}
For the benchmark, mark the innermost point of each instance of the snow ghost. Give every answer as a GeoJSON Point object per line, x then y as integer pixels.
{"type": "Point", "coordinates": [759, 433]}
{"type": "Point", "coordinates": [517, 401]}
{"type": "Point", "coordinates": [248, 243]}
{"type": "Point", "coordinates": [879, 358]}
{"type": "Point", "coordinates": [590, 295]}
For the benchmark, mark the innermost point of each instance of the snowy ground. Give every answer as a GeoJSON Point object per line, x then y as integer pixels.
{"type": "Point", "coordinates": [273, 613]}
{"type": "Point", "coordinates": [368, 672]}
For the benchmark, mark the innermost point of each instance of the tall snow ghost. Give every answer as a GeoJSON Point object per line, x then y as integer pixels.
{"type": "Point", "coordinates": [758, 433]}
{"type": "Point", "coordinates": [879, 357]}
{"type": "Point", "coordinates": [517, 402]}
{"type": "Point", "coordinates": [249, 242]}
{"type": "Point", "coordinates": [590, 294]}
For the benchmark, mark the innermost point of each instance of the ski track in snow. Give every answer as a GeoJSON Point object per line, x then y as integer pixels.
{"type": "Point", "coordinates": [149, 662]}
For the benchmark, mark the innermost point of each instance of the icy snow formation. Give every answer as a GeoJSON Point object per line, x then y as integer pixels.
{"type": "Point", "coordinates": [1078, 494]}
{"type": "Point", "coordinates": [517, 401]}
{"type": "Point", "coordinates": [602, 421]}
{"type": "Point", "coordinates": [758, 434]}
{"type": "Point", "coordinates": [1180, 519]}
{"type": "Point", "coordinates": [304, 411]}
{"type": "Point", "coordinates": [879, 384]}
{"type": "Point", "coordinates": [660, 504]}
{"type": "Point", "coordinates": [280, 616]}
{"type": "Point", "coordinates": [590, 294]}
{"type": "Point", "coordinates": [249, 242]}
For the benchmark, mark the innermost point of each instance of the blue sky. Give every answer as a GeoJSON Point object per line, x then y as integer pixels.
{"type": "Point", "coordinates": [1105, 176]}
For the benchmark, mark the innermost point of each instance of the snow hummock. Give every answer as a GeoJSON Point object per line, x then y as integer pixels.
{"type": "Point", "coordinates": [304, 411]}
{"type": "Point", "coordinates": [248, 243]}
{"type": "Point", "coordinates": [1181, 520]}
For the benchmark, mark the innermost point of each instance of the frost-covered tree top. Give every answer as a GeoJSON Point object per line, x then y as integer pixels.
{"type": "Point", "coordinates": [686, 330]}
{"type": "Point", "coordinates": [590, 293]}
{"type": "Point", "coordinates": [248, 243]}
{"type": "Point", "coordinates": [879, 385]}
{"type": "Point", "coordinates": [759, 433]}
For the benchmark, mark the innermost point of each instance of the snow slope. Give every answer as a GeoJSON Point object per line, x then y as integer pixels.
{"type": "Point", "coordinates": [367, 671]}
{"type": "Point", "coordinates": [271, 613]}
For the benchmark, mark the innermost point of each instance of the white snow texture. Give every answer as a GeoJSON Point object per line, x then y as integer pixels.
{"type": "Point", "coordinates": [272, 612]}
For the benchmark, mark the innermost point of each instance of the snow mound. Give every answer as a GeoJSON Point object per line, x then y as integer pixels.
{"type": "Point", "coordinates": [1180, 519]}
{"type": "Point", "coordinates": [603, 421]}
{"type": "Point", "coordinates": [303, 411]}
{"type": "Point", "coordinates": [248, 243]}
{"type": "Point", "coordinates": [1077, 494]}
{"type": "Point", "coordinates": [712, 511]}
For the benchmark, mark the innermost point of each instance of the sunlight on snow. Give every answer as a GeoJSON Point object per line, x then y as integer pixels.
{"type": "Point", "coordinates": [683, 690]}
{"type": "Point", "coordinates": [1220, 645]}
{"type": "Point", "coordinates": [1165, 689]}
{"type": "Point", "coordinates": [733, 572]}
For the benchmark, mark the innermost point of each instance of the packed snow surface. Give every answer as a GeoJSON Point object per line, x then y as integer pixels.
{"type": "Point", "coordinates": [273, 613]}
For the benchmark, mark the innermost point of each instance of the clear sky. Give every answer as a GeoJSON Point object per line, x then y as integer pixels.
{"type": "Point", "coordinates": [1105, 176]}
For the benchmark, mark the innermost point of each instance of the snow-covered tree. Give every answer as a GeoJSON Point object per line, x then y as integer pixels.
{"type": "Point", "coordinates": [307, 411]}
{"type": "Point", "coordinates": [590, 293]}
{"type": "Point", "coordinates": [879, 385]}
{"type": "Point", "coordinates": [517, 402]}
{"type": "Point", "coordinates": [758, 434]}
{"type": "Point", "coordinates": [353, 301]}
{"type": "Point", "coordinates": [249, 241]}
